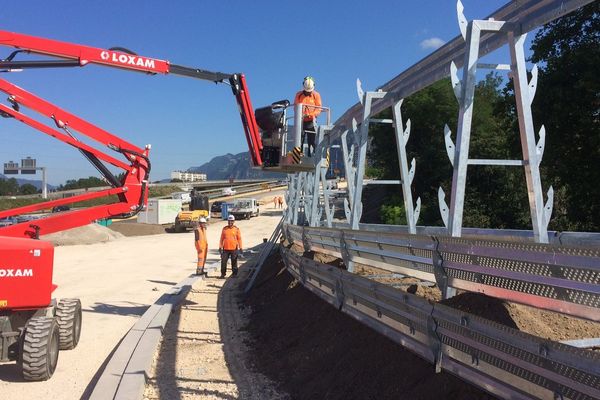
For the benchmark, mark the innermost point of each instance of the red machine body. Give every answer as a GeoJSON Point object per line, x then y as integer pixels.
{"type": "Point", "coordinates": [130, 189]}
{"type": "Point", "coordinates": [25, 273]}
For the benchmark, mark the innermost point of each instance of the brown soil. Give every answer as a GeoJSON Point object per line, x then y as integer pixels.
{"type": "Point", "coordinates": [545, 324]}
{"type": "Point", "coordinates": [130, 227]}
{"type": "Point", "coordinates": [313, 351]}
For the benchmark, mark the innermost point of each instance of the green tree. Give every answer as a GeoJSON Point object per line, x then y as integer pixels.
{"type": "Point", "coordinates": [28, 188]}
{"type": "Point", "coordinates": [81, 183]}
{"type": "Point", "coordinates": [567, 102]}
{"type": "Point", "coordinates": [9, 187]}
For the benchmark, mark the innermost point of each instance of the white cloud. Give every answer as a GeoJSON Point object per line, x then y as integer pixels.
{"type": "Point", "coordinates": [432, 43]}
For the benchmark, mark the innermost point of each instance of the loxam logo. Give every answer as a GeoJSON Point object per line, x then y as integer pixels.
{"type": "Point", "coordinates": [127, 59]}
{"type": "Point", "coordinates": [16, 272]}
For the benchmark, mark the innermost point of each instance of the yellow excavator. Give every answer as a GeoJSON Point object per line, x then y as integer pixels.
{"type": "Point", "coordinates": [198, 209]}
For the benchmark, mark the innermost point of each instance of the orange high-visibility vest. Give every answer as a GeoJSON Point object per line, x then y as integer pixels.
{"type": "Point", "coordinates": [314, 98]}
{"type": "Point", "coordinates": [201, 245]}
{"type": "Point", "coordinates": [231, 238]}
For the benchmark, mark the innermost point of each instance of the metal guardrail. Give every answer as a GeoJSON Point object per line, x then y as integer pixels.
{"type": "Point", "coordinates": [565, 279]}
{"type": "Point", "coordinates": [584, 239]}
{"type": "Point", "coordinates": [501, 360]}
{"type": "Point", "coordinates": [526, 14]}
{"type": "Point", "coordinates": [216, 193]}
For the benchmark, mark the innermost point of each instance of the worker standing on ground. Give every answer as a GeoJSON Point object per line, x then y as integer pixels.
{"type": "Point", "coordinates": [201, 245]}
{"type": "Point", "coordinates": [280, 200]}
{"type": "Point", "coordinates": [310, 97]}
{"type": "Point", "coordinates": [229, 246]}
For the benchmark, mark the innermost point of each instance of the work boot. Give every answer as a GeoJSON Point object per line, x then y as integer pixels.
{"type": "Point", "coordinates": [200, 271]}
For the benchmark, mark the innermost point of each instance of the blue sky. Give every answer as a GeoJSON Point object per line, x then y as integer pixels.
{"type": "Point", "coordinates": [188, 121]}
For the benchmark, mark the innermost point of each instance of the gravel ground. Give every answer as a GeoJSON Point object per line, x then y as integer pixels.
{"type": "Point", "coordinates": [203, 354]}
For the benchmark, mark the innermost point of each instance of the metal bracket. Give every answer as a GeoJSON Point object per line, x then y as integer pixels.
{"type": "Point", "coordinates": [345, 253]}
{"type": "Point", "coordinates": [302, 270]}
{"type": "Point", "coordinates": [541, 144]}
{"type": "Point", "coordinates": [435, 343]}
{"type": "Point", "coordinates": [417, 211]}
{"type": "Point", "coordinates": [548, 206]}
{"type": "Point", "coordinates": [305, 242]}
{"type": "Point", "coordinates": [443, 206]}
{"type": "Point", "coordinates": [456, 82]}
{"type": "Point", "coordinates": [359, 91]}
{"type": "Point", "coordinates": [339, 292]}
{"type": "Point", "coordinates": [533, 83]}
{"type": "Point", "coordinates": [347, 210]}
{"type": "Point", "coordinates": [411, 172]}
{"type": "Point", "coordinates": [441, 278]}
{"type": "Point", "coordinates": [462, 20]}
{"type": "Point", "coordinates": [450, 148]}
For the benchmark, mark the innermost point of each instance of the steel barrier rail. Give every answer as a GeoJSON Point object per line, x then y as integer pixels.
{"type": "Point", "coordinates": [526, 14]}
{"type": "Point", "coordinates": [558, 278]}
{"type": "Point", "coordinates": [503, 361]}
{"type": "Point", "coordinates": [587, 239]}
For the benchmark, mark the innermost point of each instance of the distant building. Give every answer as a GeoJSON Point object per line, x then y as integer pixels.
{"type": "Point", "coordinates": [188, 176]}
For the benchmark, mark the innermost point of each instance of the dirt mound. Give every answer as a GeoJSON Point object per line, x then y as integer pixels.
{"type": "Point", "coordinates": [545, 324]}
{"type": "Point", "coordinates": [132, 228]}
{"type": "Point", "coordinates": [314, 351]}
{"type": "Point", "coordinates": [89, 234]}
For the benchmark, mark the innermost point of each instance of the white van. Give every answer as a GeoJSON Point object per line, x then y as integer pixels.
{"type": "Point", "coordinates": [183, 196]}
{"type": "Point", "coordinates": [228, 192]}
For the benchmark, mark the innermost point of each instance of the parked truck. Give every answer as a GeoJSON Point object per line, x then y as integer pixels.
{"type": "Point", "coordinates": [245, 208]}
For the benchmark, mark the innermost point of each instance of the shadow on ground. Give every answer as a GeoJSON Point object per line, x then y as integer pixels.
{"type": "Point", "coordinates": [122, 308]}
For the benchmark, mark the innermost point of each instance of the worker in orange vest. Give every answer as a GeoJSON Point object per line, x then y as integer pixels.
{"type": "Point", "coordinates": [229, 246]}
{"type": "Point", "coordinates": [308, 95]}
{"type": "Point", "coordinates": [201, 245]}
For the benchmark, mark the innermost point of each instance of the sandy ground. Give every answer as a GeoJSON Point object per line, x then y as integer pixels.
{"type": "Point", "coordinates": [116, 281]}
{"type": "Point", "coordinates": [203, 354]}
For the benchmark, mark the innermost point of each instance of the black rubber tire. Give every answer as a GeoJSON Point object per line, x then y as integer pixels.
{"type": "Point", "coordinates": [38, 354]}
{"type": "Point", "coordinates": [68, 316]}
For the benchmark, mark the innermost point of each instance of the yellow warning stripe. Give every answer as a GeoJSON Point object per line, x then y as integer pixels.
{"type": "Point", "coordinates": [296, 154]}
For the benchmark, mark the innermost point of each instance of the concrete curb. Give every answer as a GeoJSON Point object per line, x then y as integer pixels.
{"type": "Point", "coordinates": [124, 377]}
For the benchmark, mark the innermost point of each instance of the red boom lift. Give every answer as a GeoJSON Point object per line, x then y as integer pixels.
{"type": "Point", "coordinates": [32, 325]}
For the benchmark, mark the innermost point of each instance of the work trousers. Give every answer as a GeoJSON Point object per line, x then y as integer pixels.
{"type": "Point", "coordinates": [201, 261]}
{"type": "Point", "coordinates": [225, 257]}
{"type": "Point", "coordinates": [310, 133]}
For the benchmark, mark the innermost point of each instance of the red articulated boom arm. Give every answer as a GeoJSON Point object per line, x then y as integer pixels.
{"type": "Point", "coordinates": [132, 189]}
{"type": "Point", "coordinates": [78, 55]}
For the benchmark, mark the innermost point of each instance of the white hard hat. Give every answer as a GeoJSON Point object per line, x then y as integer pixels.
{"type": "Point", "coordinates": [309, 84]}
{"type": "Point", "coordinates": [202, 220]}
{"type": "Point", "coordinates": [231, 218]}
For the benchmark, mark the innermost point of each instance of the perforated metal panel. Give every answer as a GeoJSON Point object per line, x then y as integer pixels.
{"type": "Point", "coordinates": [541, 366]}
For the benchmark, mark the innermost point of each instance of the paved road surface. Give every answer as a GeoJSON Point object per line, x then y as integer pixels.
{"type": "Point", "coordinates": [116, 281]}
